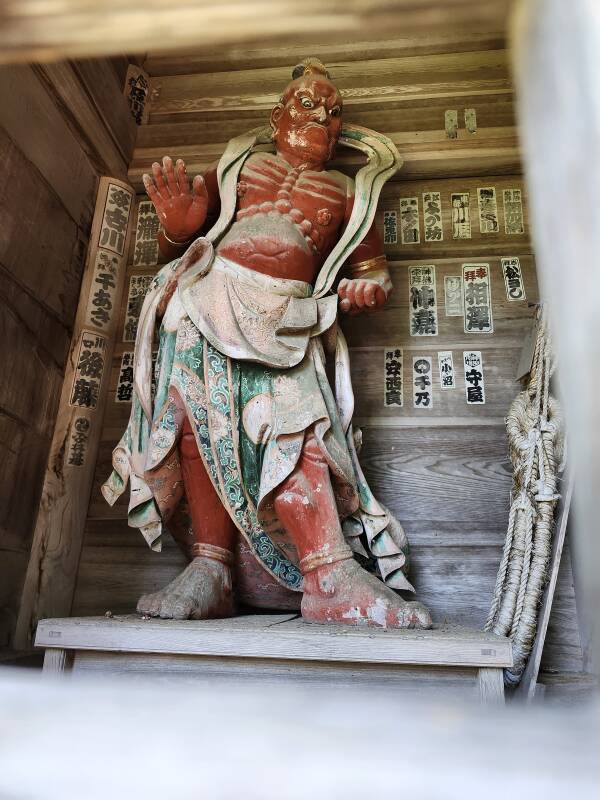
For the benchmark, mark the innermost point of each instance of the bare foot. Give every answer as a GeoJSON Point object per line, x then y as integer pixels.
{"type": "Point", "coordinates": [202, 591]}
{"type": "Point", "coordinates": [345, 593]}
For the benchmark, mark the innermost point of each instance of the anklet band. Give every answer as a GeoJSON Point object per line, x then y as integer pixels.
{"type": "Point", "coordinates": [318, 559]}
{"type": "Point", "coordinates": [214, 552]}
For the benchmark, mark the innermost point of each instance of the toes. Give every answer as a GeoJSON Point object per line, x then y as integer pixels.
{"type": "Point", "coordinates": [175, 606]}
{"type": "Point", "coordinates": [422, 615]}
{"type": "Point", "coordinates": [142, 605]}
{"type": "Point", "coordinates": [415, 615]}
{"type": "Point", "coordinates": [147, 605]}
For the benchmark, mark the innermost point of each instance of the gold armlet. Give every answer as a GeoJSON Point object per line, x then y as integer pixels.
{"type": "Point", "coordinates": [175, 244]}
{"type": "Point", "coordinates": [371, 265]}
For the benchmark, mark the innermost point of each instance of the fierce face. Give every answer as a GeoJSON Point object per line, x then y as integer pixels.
{"type": "Point", "coordinates": [308, 121]}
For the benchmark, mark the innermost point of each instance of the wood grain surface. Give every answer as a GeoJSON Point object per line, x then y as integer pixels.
{"type": "Point", "coordinates": [52, 569]}
{"type": "Point", "coordinates": [278, 636]}
{"type": "Point", "coordinates": [443, 472]}
{"type": "Point", "coordinates": [46, 200]}
{"type": "Point", "coordinates": [402, 87]}
{"type": "Point", "coordinates": [79, 28]}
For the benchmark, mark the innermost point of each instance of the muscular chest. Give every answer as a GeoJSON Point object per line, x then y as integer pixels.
{"type": "Point", "coordinates": [314, 201]}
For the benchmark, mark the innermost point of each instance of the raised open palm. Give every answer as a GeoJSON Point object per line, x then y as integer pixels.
{"type": "Point", "coordinates": [181, 210]}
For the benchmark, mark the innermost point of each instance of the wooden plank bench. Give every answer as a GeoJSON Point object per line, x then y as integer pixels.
{"type": "Point", "coordinates": [276, 648]}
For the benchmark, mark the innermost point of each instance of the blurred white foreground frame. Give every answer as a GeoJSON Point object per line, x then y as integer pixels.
{"type": "Point", "coordinates": [68, 739]}
{"type": "Point", "coordinates": [557, 71]}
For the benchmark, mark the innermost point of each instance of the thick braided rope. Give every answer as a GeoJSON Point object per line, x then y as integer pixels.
{"type": "Point", "coordinates": [528, 547]}
{"type": "Point", "coordinates": [534, 427]}
{"type": "Point", "coordinates": [501, 577]}
{"type": "Point", "coordinates": [519, 427]}
{"type": "Point", "coordinates": [522, 450]}
{"type": "Point", "coordinates": [510, 589]}
{"type": "Point", "coordinates": [524, 633]}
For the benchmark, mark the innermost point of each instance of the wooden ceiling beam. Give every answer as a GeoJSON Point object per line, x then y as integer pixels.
{"type": "Point", "coordinates": [31, 30]}
{"type": "Point", "coordinates": [373, 82]}
{"type": "Point", "coordinates": [331, 51]}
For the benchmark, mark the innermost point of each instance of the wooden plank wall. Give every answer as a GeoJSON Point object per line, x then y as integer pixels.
{"type": "Point", "coordinates": [444, 471]}
{"type": "Point", "coordinates": [54, 142]}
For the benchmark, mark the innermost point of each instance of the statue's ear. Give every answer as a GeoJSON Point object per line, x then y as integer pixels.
{"type": "Point", "coordinates": [276, 115]}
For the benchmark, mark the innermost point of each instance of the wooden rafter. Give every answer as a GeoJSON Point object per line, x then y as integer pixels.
{"type": "Point", "coordinates": [46, 31]}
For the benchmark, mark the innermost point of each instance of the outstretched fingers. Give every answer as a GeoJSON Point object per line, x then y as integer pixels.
{"type": "Point", "coordinates": [199, 193]}
{"type": "Point", "coordinates": [169, 172]}
{"type": "Point", "coordinates": [182, 178]}
{"type": "Point", "coordinates": [159, 181]}
{"type": "Point", "coordinates": [152, 191]}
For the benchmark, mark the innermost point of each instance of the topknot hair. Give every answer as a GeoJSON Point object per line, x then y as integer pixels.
{"type": "Point", "coordinates": [310, 65]}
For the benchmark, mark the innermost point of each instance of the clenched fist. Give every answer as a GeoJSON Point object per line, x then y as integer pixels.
{"type": "Point", "coordinates": [181, 210]}
{"type": "Point", "coordinates": [360, 294]}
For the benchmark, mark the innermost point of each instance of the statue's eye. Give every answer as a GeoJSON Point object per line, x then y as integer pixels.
{"type": "Point", "coordinates": [335, 111]}
{"type": "Point", "coordinates": [307, 102]}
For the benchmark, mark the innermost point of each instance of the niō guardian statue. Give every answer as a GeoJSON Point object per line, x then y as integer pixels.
{"type": "Point", "coordinates": [243, 450]}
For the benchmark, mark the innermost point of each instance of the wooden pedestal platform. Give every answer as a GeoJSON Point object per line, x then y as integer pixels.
{"type": "Point", "coordinates": [279, 648]}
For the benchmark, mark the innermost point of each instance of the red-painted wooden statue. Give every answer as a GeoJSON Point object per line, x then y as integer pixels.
{"type": "Point", "coordinates": [242, 449]}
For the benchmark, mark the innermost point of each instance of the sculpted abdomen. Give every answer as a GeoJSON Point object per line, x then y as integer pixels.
{"type": "Point", "coordinates": [287, 218]}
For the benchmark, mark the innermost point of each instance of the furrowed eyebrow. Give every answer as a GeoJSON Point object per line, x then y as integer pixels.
{"type": "Point", "coordinates": [305, 90]}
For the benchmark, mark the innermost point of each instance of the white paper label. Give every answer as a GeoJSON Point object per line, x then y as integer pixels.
{"type": "Point", "coordinates": [88, 371]}
{"type": "Point", "coordinates": [422, 301]}
{"type": "Point", "coordinates": [453, 295]}
{"type": "Point", "coordinates": [393, 379]}
{"type": "Point", "coordinates": [432, 216]}
{"type": "Point", "coordinates": [446, 368]}
{"type": "Point", "coordinates": [422, 388]}
{"type": "Point", "coordinates": [124, 391]}
{"type": "Point", "coordinates": [146, 244]}
{"type": "Point", "coordinates": [513, 279]}
{"type": "Point", "coordinates": [409, 220]}
{"type": "Point", "coordinates": [113, 231]}
{"type": "Point", "coordinates": [390, 227]}
{"type": "Point", "coordinates": [477, 298]}
{"type": "Point", "coordinates": [138, 287]}
{"type": "Point", "coordinates": [488, 210]}
{"type": "Point", "coordinates": [474, 383]}
{"type": "Point", "coordinates": [101, 302]}
{"type": "Point", "coordinates": [513, 212]}
{"type": "Point", "coordinates": [461, 215]}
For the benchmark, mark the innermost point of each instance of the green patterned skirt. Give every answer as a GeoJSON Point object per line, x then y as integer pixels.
{"type": "Point", "coordinates": [250, 422]}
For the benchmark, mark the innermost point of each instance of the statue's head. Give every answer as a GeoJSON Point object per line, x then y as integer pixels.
{"type": "Point", "coordinates": [307, 121]}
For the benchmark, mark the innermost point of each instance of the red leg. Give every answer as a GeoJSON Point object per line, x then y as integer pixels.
{"type": "Point", "coordinates": [306, 507]}
{"type": "Point", "coordinates": [204, 589]}
{"type": "Point", "coordinates": [214, 528]}
{"type": "Point", "coordinates": [211, 522]}
{"type": "Point", "coordinates": [336, 588]}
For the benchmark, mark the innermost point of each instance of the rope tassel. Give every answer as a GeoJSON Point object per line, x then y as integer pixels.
{"type": "Point", "coordinates": [536, 446]}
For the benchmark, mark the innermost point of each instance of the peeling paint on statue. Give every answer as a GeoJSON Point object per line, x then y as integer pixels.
{"type": "Point", "coordinates": [245, 424]}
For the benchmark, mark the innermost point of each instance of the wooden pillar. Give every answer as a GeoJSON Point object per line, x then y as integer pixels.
{"type": "Point", "coordinates": [56, 661]}
{"type": "Point", "coordinates": [557, 72]}
{"type": "Point", "coordinates": [490, 683]}
{"type": "Point", "coordinates": [52, 571]}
